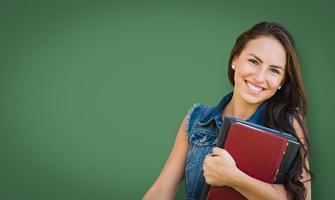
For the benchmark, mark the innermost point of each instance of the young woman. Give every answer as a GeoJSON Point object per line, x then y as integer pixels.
{"type": "Point", "coordinates": [268, 90]}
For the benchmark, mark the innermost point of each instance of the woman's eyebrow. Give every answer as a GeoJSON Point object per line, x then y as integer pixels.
{"type": "Point", "coordinates": [259, 60]}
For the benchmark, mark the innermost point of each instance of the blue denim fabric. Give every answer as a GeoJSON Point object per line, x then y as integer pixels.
{"type": "Point", "coordinates": [202, 129]}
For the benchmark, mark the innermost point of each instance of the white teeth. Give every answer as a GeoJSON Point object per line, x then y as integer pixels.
{"type": "Point", "coordinates": [253, 87]}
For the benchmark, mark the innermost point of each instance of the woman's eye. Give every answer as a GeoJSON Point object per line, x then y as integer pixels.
{"type": "Point", "coordinates": [275, 71]}
{"type": "Point", "coordinates": [253, 61]}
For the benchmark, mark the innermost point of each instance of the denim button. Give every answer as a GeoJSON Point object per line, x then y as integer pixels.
{"type": "Point", "coordinates": [203, 139]}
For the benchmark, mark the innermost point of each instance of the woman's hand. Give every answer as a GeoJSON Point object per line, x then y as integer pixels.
{"type": "Point", "coordinates": [220, 168]}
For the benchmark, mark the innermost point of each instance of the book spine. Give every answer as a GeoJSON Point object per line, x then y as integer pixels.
{"type": "Point", "coordinates": [281, 159]}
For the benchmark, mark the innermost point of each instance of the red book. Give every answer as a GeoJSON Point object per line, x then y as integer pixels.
{"type": "Point", "coordinates": [263, 153]}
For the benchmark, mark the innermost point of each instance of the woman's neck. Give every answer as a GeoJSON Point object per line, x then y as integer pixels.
{"type": "Point", "coordinates": [239, 108]}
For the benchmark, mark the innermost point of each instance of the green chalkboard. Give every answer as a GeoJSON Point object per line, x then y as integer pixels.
{"type": "Point", "coordinates": [93, 93]}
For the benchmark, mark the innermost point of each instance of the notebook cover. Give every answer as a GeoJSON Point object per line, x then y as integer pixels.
{"type": "Point", "coordinates": [258, 151]}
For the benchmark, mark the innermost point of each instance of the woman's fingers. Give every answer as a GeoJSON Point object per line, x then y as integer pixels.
{"type": "Point", "coordinates": [218, 151]}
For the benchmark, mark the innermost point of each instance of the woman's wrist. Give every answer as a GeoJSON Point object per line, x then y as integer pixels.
{"type": "Point", "coordinates": [237, 178]}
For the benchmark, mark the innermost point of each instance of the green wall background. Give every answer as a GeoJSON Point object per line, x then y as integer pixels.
{"type": "Point", "coordinates": [93, 93]}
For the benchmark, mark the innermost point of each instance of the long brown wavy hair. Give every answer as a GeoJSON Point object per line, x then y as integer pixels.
{"type": "Point", "coordinates": [286, 104]}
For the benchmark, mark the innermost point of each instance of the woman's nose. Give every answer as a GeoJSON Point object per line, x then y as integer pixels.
{"type": "Point", "coordinates": [260, 75]}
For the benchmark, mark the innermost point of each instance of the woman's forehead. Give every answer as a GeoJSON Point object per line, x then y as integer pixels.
{"type": "Point", "coordinates": [268, 49]}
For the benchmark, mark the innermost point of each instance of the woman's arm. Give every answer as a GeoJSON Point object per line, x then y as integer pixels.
{"type": "Point", "coordinates": [254, 189]}
{"type": "Point", "coordinates": [221, 170]}
{"type": "Point", "coordinates": [166, 185]}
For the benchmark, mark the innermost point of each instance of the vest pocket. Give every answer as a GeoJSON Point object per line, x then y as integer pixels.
{"type": "Point", "coordinates": [201, 141]}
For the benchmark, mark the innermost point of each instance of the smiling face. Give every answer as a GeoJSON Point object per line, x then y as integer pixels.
{"type": "Point", "coordinates": [259, 70]}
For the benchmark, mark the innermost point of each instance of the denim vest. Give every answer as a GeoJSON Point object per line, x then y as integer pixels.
{"type": "Point", "coordinates": [203, 126]}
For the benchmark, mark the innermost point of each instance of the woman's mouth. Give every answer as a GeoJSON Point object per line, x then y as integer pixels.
{"type": "Point", "coordinates": [253, 88]}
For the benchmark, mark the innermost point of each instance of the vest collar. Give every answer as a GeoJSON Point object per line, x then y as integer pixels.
{"type": "Point", "coordinates": [215, 113]}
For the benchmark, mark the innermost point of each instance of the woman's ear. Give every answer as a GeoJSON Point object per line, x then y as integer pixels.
{"type": "Point", "coordinates": [234, 60]}
{"type": "Point", "coordinates": [233, 64]}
